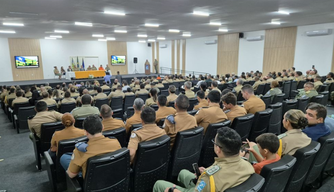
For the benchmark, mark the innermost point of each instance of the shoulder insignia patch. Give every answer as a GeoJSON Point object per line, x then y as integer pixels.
{"type": "Point", "coordinates": [171, 119]}
{"type": "Point", "coordinates": [136, 129]}
{"type": "Point", "coordinates": [282, 136]}
{"type": "Point", "coordinates": [212, 170]}
{"type": "Point", "coordinates": [133, 135]}
{"type": "Point", "coordinates": [201, 186]}
{"type": "Point", "coordinates": [82, 146]}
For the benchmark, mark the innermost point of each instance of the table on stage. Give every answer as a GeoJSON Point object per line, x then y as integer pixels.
{"type": "Point", "coordinates": [85, 74]}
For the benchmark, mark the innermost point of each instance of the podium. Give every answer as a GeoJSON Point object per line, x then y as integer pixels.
{"type": "Point", "coordinates": [147, 69]}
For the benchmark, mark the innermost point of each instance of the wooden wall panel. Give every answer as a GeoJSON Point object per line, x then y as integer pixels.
{"type": "Point", "coordinates": [178, 50]}
{"type": "Point", "coordinates": [26, 47]}
{"type": "Point", "coordinates": [173, 56]}
{"type": "Point", "coordinates": [279, 49]}
{"type": "Point", "coordinates": [228, 52]}
{"type": "Point", "coordinates": [157, 56]}
{"type": "Point", "coordinates": [183, 56]}
{"type": "Point", "coordinates": [117, 48]}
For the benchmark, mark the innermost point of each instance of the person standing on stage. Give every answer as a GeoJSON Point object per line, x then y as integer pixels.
{"type": "Point", "coordinates": [107, 78]}
{"type": "Point", "coordinates": [118, 77]}
{"type": "Point", "coordinates": [156, 66]}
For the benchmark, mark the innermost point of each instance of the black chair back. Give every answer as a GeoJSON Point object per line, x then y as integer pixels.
{"type": "Point", "coordinates": [331, 88]}
{"type": "Point", "coordinates": [325, 98]}
{"type": "Point", "coordinates": [302, 103]}
{"type": "Point", "coordinates": [278, 98]}
{"type": "Point", "coordinates": [19, 105]}
{"type": "Point", "coordinates": [260, 89]}
{"type": "Point", "coordinates": [317, 99]}
{"type": "Point", "coordinates": [100, 102]}
{"type": "Point", "coordinates": [322, 88]}
{"type": "Point", "coordinates": [52, 107]}
{"type": "Point", "coordinates": [166, 85]}
{"type": "Point", "coordinates": [266, 99]}
{"type": "Point", "coordinates": [243, 125]}
{"type": "Point", "coordinates": [164, 92]}
{"type": "Point", "coordinates": [305, 157]}
{"type": "Point", "coordinates": [171, 104]}
{"type": "Point", "coordinates": [276, 174]}
{"type": "Point", "coordinates": [47, 131]}
{"type": "Point", "coordinates": [286, 89]}
{"type": "Point", "coordinates": [119, 134]}
{"type": "Point", "coordinates": [142, 96]}
{"type": "Point", "coordinates": [118, 113]}
{"type": "Point", "coordinates": [186, 151]}
{"type": "Point", "coordinates": [207, 152]}
{"type": "Point", "coordinates": [293, 87]}
{"type": "Point", "coordinates": [239, 97]}
{"type": "Point", "coordinates": [67, 107]}
{"type": "Point", "coordinates": [155, 107]}
{"type": "Point", "coordinates": [161, 122]}
{"type": "Point", "coordinates": [128, 101]}
{"type": "Point", "coordinates": [266, 88]}
{"type": "Point", "coordinates": [115, 168]}
{"type": "Point", "coordinates": [300, 84]}
{"type": "Point", "coordinates": [129, 112]}
{"type": "Point", "coordinates": [22, 116]}
{"type": "Point", "coordinates": [192, 112]}
{"type": "Point", "coordinates": [222, 86]}
{"type": "Point", "coordinates": [260, 123]}
{"type": "Point", "coordinates": [192, 103]}
{"type": "Point", "coordinates": [147, 170]}
{"type": "Point", "coordinates": [78, 122]}
{"type": "Point", "coordinates": [290, 104]}
{"type": "Point", "coordinates": [116, 103]}
{"type": "Point", "coordinates": [252, 184]}
{"type": "Point", "coordinates": [275, 122]}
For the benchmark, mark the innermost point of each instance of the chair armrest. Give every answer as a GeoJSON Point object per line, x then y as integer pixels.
{"type": "Point", "coordinates": [10, 110]}
{"type": "Point", "coordinates": [72, 184]}
{"type": "Point", "coordinates": [36, 144]}
{"type": "Point", "coordinates": [51, 170]}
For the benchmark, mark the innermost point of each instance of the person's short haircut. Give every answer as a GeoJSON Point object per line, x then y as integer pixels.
{"type": "Point", "coordinates": [105, 111]}
{"type": "Point", "coordinates": [248, 88]}
{"type": "Point", "coordinates": [229, 141]}
{"type": "Point", "coordinates": [256, 78]}
{"type": "Point", "coordinates": [172, 88]}
{"type": "Point", "coordinates": [229, 98]}
{"type": "Point", "coordinates": [45, 94]}
{"type": "Point", "coordinates": [86, 99]}
{"type": "Point", "coordinates": [214, 96]}
{"type": "Point", "coordinates": [331, 74]}
{"type": "Point", "coordinates": [293, 68]}
{"type": "Point", "coordinates": [203, 85]}
{"type": "Point", "coordinates": [92, 124]}
{"type": "Point", "coordinates": [214, 84]}
{"type": "Point", "coordinates": [142, 86]}
{"type": "Point", "coordinates": [125, 82]}
{"type": "Point", "coordinates": [104, 83]}
{"type": "Point", "coordinates": [274, 84]}
{"type": "Point", "coordinates": [241, 81]}
{"type": "Point", "coordinates": [320, 109]}
{"type": "Point", "coordinates": [187, 85]}
{"type": "Point", "coordinates": [67, 94]}
{"type": "Point", "coordinates": [148, 115]}
{"type": "Point", "coordinates": [309, 84]}
{"type": "Point", "coordinates": [19, 93]}
{"type": "Point", "coordinates": [12, 90]}
{"type": "Point", "coordinates": [268, 141]}
{"type": "Point", "coordinates": [41, 106]}
{"type": "Point", "coordinates": [200, 94]}
{"type": "Point", "coordinates": [182, 102]}
{"type": "Point", "coordinates": [318, 78]}
{"type": "Point", "coordinates": [227, 90]}
{"type": "Point", "coordinates": [138, 104]}
{"type": "Point", "coordinates": [299, 73]}
{"type": "Point", "coordinates": [162, 99]}
{"type": "Point", "coordinates": [279, 74]}
{"type": "Point", "coordinates": [128, 89]}
{"type": "Point", "coordinates": [99, 90]}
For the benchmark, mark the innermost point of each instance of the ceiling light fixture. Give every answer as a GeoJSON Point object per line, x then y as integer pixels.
{"type": "Point", "coordinates": [215, 23]}
{"type": "Point", "coordinates": [56, 36]}
{"type": "Point", "coordinates": [223, 30]}
{"type": "Point", "coordinates": [275, 22]}
{"type": "Point", "coordinates": [114, 13]}
{"type": "Point", "coordinates": [102, 39]}
{"type": "Point", "coordinates": [84, 24]}
{"type": "Point", "coordinates": [161, 38]}
{"type": "Point", "coordinates": [51, 38]}
{"type": "Point", "coordinates": [186, 35]}
{"type": "Point", "coordinates": [141, 35]}
{"type": "Point", "coordinates": [120, 31]}
{"type": "Point", "coordinates": [142, 41]}
{"type": "Point", "coordinates": [200, 13]}
{"type": "Point", "coordinates": [283, 12]}
{"type": "Point", "coordinates": [151, 25]}
{"type": "Point", "coordinates": [174, 31]}
{"type": "Point", "coordinates": [111, 38]}
{"type": "Point", "coordinates": [97, 35]}
{"type": "Point", "coordinates": [61, 31]}
{"type": "Point", "coordinates": [4, 31]}
{"type": "Point", "coordinates": [151, 40]}
{"type": "Point", "coordinates": [13, 24]}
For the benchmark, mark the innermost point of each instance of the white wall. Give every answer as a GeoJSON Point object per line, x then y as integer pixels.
{"type": "Point", "coordinates": [142, 52]}
{"type": "Point", "coordinates": [251, 53]}
{"type": "Point", "coordinates": [201, 57]}
{"type": "Point", "coordinates": [316, 50]}
{"type": "Point", "coordinates": [165, 54]}
{"type": "Point", "coordinates": [6, 73]}
{"type": "Point", "coordinates": [58, 53]}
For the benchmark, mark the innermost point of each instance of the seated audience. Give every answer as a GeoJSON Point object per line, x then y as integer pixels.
{"type": "Point", "coordinates": [187, 90]}
{"type": "Point", "coordinates": [104, 86]}
{"type": "Point", "coordinates": [202, 102]}
{"type": "Point", "coordinates": [125, 86]}
{"type": "Point", "coordinates": [172, 96]}
{"type": "Point", "coordinates": [308, 91]}
{"type": "Point", "coordinates": [47, 100]}
{"type": "Point", "coordinates": [203, 87]}
{"type": "Point", "coordinates": [19, 98]}
{"type": "Point", "coordinates": [73, 93]}
{"type": "Point", "coordinates": [214, 86]}
{"type": "Point", "coordinates": [330, 78]}
{"type": "Point", "coordinates": [100, 94]}
{"type": "Point", "coordinates": [108, 122]}
{"type": "Point", "coordinates": [257, 82]}
{"type": "Point", "coordinates": [231, 109]}
{"type": "Point", "coordinates": [275, 90]}
{"type": "Point", "coordinates": [142, 90]}
{"type": "Point", "coordinates": [317, 82]}
{"type": "Point", "coordinates": [163, 110]}
{"type": "Point", "coordinates": [86, 109]}
{"type": "Point", "coordinates": [153, 98]}
{"type": "Point", "coordinates": [118, 93]}
{"type": "Point", "coordinates": [84, 92]}
{"type": "Point", "coordinates": [67, 99]}
{"type": "Point", "coordinates": [253, 103]}
{"type": "Point", "coordinates": [239, 84]}
{"type": "Point", "coordinates": [10, 95]}
{"type": "Point", "coordinates": [129, 92]}
{"type": "Point", "coordinates": [135, 119]}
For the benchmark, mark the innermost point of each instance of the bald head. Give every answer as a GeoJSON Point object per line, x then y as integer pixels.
{"type": "Point", "coordinates": [85, 92]}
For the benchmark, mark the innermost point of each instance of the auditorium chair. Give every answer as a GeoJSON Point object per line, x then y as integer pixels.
{"type": "Point", "coordinates": [243, 125]}
{"type": "Point", "coordinates": [164, 92]}
{"type": "Point", "coordinates": [52, 107]}
{"type": "Point", "coordinates": [260, 89]}
{"type": "Point", "coordinates": [166, 85]}
{"type": "Point", "coordinates": [147, 170]}
{"type": "Point", "coordinates": [100, 102]}
{"type": "Point", "coordinates": [331, 88]}
{"type": "Point", "coordinates": [78, 122]}
{"type": "Point", "coordinates": [22, 117]}
{"type": "Point", "coordinates": [161, 122]}
{"type": "Point", "coordinates": [276, 174]}
{"type": "Point", "coordinates": [114, 168]}
{"type": "Point", "coordinates": [293, 89]}
{"type": "Point", "coordinates": [44, 142]}
{"type": "Point", "coordinates": [275, 122]}
{"type": "Point", "coordinates": [305, 157]}
{"type": "Point", "coordinates": [171, 104]}
{"type": "Point", "coordinates": [118, 113]}
{"type": "Point", "coordinates": [325, 98]}
{"type": "Point", "coordinates": [15, 111]}
{"type": "Point", "coordinates": [116, 103]}
{"type": "Point", "coordinates": [278, 98]}
{"type": "Point", "coordinates": [322, 88]}
{"type": "Point", "coordinates": [239, 97]}
{"type": "Point", "coordinates": [260, 123]}
{"type": "Point", "coordinates": [119, 134]}
{"type": "Point", "coordinates": [192, 103]}
{"type": "Point", "coordinates": [128, 101]}
{"type": "Point", "coordinates": [286, 89]}
{"type": "Point", "coordinates": [302, 103]}
{"type": "Point", "coordinates": [66, 107]}
{"type": "Point", "coordinates": [328, 169]}
{"type": "Point", "coordinates": [252, 184]}
{"type": "Point", "coordinates": [289, 104]}
{"type": "Point", "coordinates": [319, 162]}
{"type": "Point", "coordinates": [128, 113]}
{"type": "Point", "coordinates": [8, 109]}
{"type": "Point", "coordinates": [155, 107]}
{"type": "Point", "coordinates": [317, 99]}
{"type": "Point", "coordinates": [142, 96]}
{"type": "Point", "coordinates": [266, 88]}
{"type": "Point", "coordinates": [300, 84]}
{"type": "Point", "coordinates": [106, 91]}
{"type": "Point", "coordinates": [221, 87]}
{"type": "Point", "coordinates": [186, 151]}
{"type": "Point", "coordinates": [192, 112]}
{"type": "Point", "coordinates": [207, 152]}
{"type": "Point", "coordinates": [266, 99]}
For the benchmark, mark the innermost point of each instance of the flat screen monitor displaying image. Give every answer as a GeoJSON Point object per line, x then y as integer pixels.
{"type": "Point", "coordinates": [22, 62]}
{"type": "Point", "coordinates": [117, 60]}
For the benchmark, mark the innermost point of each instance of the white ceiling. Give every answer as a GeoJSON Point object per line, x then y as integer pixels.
{"type": "Point", "coordinates": [45, 16]}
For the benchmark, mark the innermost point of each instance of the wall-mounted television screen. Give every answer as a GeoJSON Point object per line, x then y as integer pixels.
{"type": "Point", "coordinates": [117, 60]}
{"type": "Point", "coordinates": [26, 62]}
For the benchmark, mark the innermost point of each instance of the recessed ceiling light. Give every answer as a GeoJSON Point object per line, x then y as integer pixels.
{"type": "Point", "coordinates": [13, 24]}
{"type": "Point", "coordinates": [56, 36]}
{"type": "Point", "coordinates": [61, 31]}
{"type": "Point", "coordinates": [114, 13]}
{"type": "Point", "coordinates": [186, 35]}
{"type": "Point", "coordinates": [174, 31]}
{"type": "Point", "coordinates": [223, 30]}
{"type": "Point", "coordinates": [51, 38]}
{"type": "Point", "coordinates": [141, 35]}
{"type": "Point", "coordinates": [120, 31]}
{"type": "Point", "coordinates": [102, 39]}
{"type": "Point", "coordinates": [200, 13]}
{"type": "Point", "coordinates": [151, 25]}
{"type": "Point", "coordinates": [111, 38]}
{"type": "Point", "coordinates": [97, 35]}
{"type": "Point", "coordinates": [84, 24]}
{"type": "Point", "coordinates": [4, 31]}
{"type": "Point", "coordinates": [215, 23]}
{"type": "Point", "coordinates": [275, 22]}
{"type": "Point", "coordinates": [151, 40]}
{"type": "Point", "coordinates": [161, 38]}
{"type": "Point", "coordinates": [142, 41]}
{"type": "Point", "coordinates": [283, 12]}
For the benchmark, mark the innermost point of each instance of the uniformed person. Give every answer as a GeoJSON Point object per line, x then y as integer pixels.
{"type": "Point", "coordinates": [275, 90]}
{"type": "Point", "coordinates": [84, 92]}
{"type": "Point", "coordinates": [100, 94]}
{"type": "Point", "coordinates": [279, 77]}
{"type": "Point", "coordinates": [330, 78]}
{"type": "Point", "coordinates": [86, 109]}
{"type": "Point", "coordinates": [108, 122]}
{"type": "Point", "coordinates": [118, 93]}
{"type": "Point", "coordinates": [73, 92]}
{"type": "Point", "coordinates": [181, 121]}
{"type": "Point", "coordinates": [257, 82]}
{"type": "Point", "coordinates": [160, 85]}
{"type": "Point", "coordinates": [10, 95]}
{"type": "Point", "coordinates": [42, 116]}
{"type": "Point", "coordinates": [135, 119]}
{"type": "Point", "coordinates": [19, 98]}
{"type": "Point", "coordinates": [163, 110]}
{"type": "Point", "coordinates": [104, 86]}
{"type": "Point", "coordinates": [142, 90]}
{"type": "Point", "coordinates": [94, 68]}
{"type": "Point", "coordinates": [3, 93]}
{"type": "Point", "coordinates": [97, 145]}
{"type": "Point", "coordinates": [285, 77]}
{"type": "Point", "coordinates": [47, 100]}
{"type": "Point", "coordinates": [231, 109]}
{"type": "Point", "coordinates": [147, 132]}
{"type": "Point", "coordinates": [317, 82]}
{"type": "Point", "coordinates": [148, 84]}
{"type": "Point", "coordinates": [129, 92]}
{"type": "Point", "coordinates": [253, 103]}
{"type": "Point", "coordinates": [299, 76]}
{"type": "Point", "coordinates": [172, 96]}
{"type": "Point", "coordinates": [47, 86]}
{"type": "Point", "coordinates": [188, 92]}
{"type": "Point", "coordinates": [308, 91]}
{"type": "Point", "coordinates": [211, 114]}
{"type": "Point", "coordinates": [202, 102]}
{"type": "Point", "coordinates": [67, 99]}
{"type": "Point", "coordinates": [94, 91]}
{"type": "Point", "coordinates": [239, 83]}
{"type": "Point", "coordinates": [115, 84]}
{"type": "Point", "coordinates": [153, 98]}
{"type": "Point", "coordinates": [214, 86]}
{"type": "Point", "coordinates": [228, 170]}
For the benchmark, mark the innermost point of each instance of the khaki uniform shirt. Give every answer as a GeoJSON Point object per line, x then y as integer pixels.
{"type": "Point", "coordinates": [9, 96]}
{"type": "Point", "coordinates": [101, 96]}
{"type": "Point", "coordinates": [226, 172]}
{"type": "Point", "coordinates": [19, 100]}
{"type": "Point", "coordinates": [135, 119]}
{"type": "Point", "coordinates": [61, 92]}
{"type": "Point", "coordinates": [117, 93]}
{"type": "Point", "coordinates": [183, 121]}
{"type": "Point", "coordinates": [85, 111]}
{"type": "Point", "coordinates": [28, 94]}
{"type": "Point", "coordinates": [142, 91]}
{"type": "Point", "coordinates": [285, 78]}
{"type": "Point", "coordinates": [164, 81]}
{"type": "Point", "coordinates": [329, 81]}
{"type": "Point", "coordinates": [49, 101]}
{"type": "Point", "coordinates": [279, 79]}
{"type": "Point", "coordinates": [47, 87]}
{"type": "Point", "coordinates": [75, 94]}
{"type": "Point", "coordinates": [67, 133]}
{"type": "Point", "coordinates": [147, 86]}
{"type": "Point", "coordinates": [236, 111]}
{"type": "Point", "coordinates": [111, 123]}
{"type": "Point", "coordinates": [254, 104]}
{"type": "Point", "coordinates": [96, 146]}
{"type": "Point", "coordinates": [3, 95]}
{"type": "Point", "coordinates": [150, 102]}
{"type": "Point", "coordinates": [105, 87]}
{"type": "Point", "coordinates": [237, 89]}
{"type": "Point", "coordinates": [92, 92]}
{"type": "Point", "coordinates": [317, 84]}
{"type": "Point", "coordinates": [94, 68]}
{"type": "Point", "coordinates": [171, 97]}
{"type": "Point", "coordinates": [160, 85]}
{"type": "Point", "coordinates": [309, 94]}
{"type": "Point", "coordinates": [129, 93]}
{"type": "Point", "coordinates": [190, 94]}
{"type": "Point", "coordinates": [216, 89]}
{"type": "Point", "coordinates": [43, 117]}
{"type": "Point", "coordinates": [212, 114]}
{"type": "Point", "coordinates": [114, 86]}
{"type": "Point", "coordinates": [67, 100]}
{"type": "Point", "coordinates": [292, 140]}
{"type": "Point", "coordinates": [249, 79]}
{"type": "Point", "coordinates": [202, 103]}
{"type": "Point", "coordinates": [256, 84]}
{"type": "Point", "coordinates": [163, 112]}
{"type": "Point", "coordinates": [79, 99]}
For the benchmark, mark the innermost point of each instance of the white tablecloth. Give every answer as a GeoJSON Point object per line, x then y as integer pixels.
{"type": "Point", "coordinates": [69, 75]}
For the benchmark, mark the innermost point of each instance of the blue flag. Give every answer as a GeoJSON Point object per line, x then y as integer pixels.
{"type": "Point", "coordinates": [83, 63]}
{"type": "Point", "coordinates": [78, 62]}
